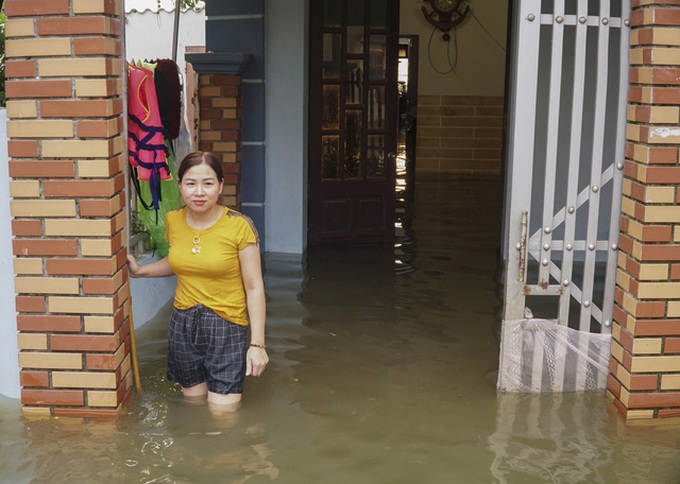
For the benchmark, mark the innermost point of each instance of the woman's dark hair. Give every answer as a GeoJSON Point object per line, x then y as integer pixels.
{"type": "Point", "coordinates": [197, 158]}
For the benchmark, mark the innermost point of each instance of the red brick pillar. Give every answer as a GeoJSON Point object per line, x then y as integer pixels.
{"type": "Point", "coordinates": [65, 103]}
{"type": "Point", "coordinates": [645, 365]}
{"type": "Point", "coordinates": [219, 98]}
{"type": "Point", "coordinates": [219, 114]}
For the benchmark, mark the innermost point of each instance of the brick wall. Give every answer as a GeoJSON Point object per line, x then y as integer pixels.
{"type": "Point", "coordinates": [219, 100]}
{"type": "Point", "coordinates": [64, 89]}
{"type": "Point", "coordinates": [459, 134]}
{"type": "Point", "coordinates": [644, 377]}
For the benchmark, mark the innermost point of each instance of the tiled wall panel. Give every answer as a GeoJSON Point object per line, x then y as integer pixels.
{"type": "Point", "coordinates": [459, 134]}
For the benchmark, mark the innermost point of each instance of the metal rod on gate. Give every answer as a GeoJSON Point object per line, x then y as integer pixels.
{"type": "Point", "coordinates": [523, 247]}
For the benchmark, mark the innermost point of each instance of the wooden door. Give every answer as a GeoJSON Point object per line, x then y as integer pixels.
{"type": "Point", "coordinates": [353, 120]}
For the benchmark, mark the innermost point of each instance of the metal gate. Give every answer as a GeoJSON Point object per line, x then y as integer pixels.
{"type": "Point", "coordinates": [567, 117]}
{"type": "Point", "coordinates": [566, 158]}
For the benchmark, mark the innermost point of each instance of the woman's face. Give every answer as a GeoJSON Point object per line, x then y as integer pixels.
{"type": "Point", "coordinates": [200, 189]}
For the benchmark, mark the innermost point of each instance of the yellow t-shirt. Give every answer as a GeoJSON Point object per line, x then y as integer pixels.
{"type": "Point", "coordinates": [208, 270]}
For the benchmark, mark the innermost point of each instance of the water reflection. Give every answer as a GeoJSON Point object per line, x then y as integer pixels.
{"type": "Point", "coordinates": [383, 370]}
{"type": "Point", "coordinates": [573, 437]}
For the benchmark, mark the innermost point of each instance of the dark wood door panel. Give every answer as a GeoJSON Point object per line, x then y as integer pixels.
{"type": "Point", "coordinates": [371, 218]}
{"type": "Point", "coordinates": [337, 217]}
{"type": "Point", "coordinates": [353, 116]}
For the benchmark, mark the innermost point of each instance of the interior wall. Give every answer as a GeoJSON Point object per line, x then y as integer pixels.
{"type": "Point", "coordinates": [461, 85]}
{"type": "Point", "coordinates": [480, 70]}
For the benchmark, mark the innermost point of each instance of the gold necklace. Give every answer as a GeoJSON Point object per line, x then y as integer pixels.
{"type": "Point", "coordinates": [196, 249]}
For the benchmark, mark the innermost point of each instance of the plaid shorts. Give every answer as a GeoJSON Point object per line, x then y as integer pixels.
{"type": "Point", "coordinates": [203, 347]}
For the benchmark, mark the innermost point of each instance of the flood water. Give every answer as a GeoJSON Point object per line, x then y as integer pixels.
{"type": "Point", "coordinates": [383, 370]}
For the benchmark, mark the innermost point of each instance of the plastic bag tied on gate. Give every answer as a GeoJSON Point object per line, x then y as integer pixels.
{"type": "Point", "coordinates": [539, 355]}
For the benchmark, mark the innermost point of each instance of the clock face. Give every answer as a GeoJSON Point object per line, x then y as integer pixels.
{"type": "Point", "coordinates": [445, 5]}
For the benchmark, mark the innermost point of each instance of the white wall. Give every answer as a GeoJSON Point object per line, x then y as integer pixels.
{"type": "Point", "coordinates": [149, 35]}
{"type": "Point", "coordinates": [9, 352]}
{"type": "Point", "coordinates": [286, 125]}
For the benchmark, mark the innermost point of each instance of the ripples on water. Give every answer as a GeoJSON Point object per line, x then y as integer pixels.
{"type": "Point", "coordinates": [158, 440]}
{"type": "Point", "coordinates": [383, 370]}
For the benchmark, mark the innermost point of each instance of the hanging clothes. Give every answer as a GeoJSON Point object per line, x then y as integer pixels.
{"type": "Point", "coordinates": [154, 116]}
{"type": "Point", "coordinates": [154, 221]}
{"type": "Point", "coordinates": [147, 152]}
{"type": "Point", "coordinates": [169, 92]}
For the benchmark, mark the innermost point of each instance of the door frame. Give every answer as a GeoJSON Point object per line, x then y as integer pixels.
{"type": "Point", "coordinates": [412, 96]}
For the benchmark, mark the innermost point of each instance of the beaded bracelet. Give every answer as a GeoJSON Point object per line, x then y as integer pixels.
{"type": "Point", "coordinates": [258, 346]}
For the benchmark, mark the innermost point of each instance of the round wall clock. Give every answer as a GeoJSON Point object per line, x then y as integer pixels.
{"type": "Point", "coordinates": [445, 14]}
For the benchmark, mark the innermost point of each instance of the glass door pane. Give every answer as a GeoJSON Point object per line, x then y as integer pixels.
{"type": "Point", "coordinates": [355, 26]}
{"type": "Point", "coordinates": [332, 55]}
{"type": "Point", "coordinates": [353, 137]}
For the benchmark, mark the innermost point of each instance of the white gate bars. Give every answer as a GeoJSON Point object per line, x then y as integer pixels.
{"type": "Point", "coordinates": [566, 156]}
{"type": "Point", "coordinates": [566, 142]}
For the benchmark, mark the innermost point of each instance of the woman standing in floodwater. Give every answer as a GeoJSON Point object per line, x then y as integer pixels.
{"type": "Point", "coordinates": [217, 328]}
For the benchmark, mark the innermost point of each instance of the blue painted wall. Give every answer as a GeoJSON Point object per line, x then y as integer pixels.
{"type": "Point", "coordinates": [238, 26]}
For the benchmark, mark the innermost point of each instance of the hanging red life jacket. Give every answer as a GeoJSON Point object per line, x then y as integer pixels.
{"type": "Point", "coordinates": [147, 152]}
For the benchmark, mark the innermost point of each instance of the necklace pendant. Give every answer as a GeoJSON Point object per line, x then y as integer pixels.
{"type": "Point", "coordinates": [196, 249]}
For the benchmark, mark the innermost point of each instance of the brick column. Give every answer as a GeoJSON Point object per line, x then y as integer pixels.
{"type": "Point", "coordinates": [219, 114]}
{"type": "Point", "coordinates": [64, 88]}
{"type": "Point", "coordinates": [219, 128]}
{"type": "Point", "coordinates": [645, 365]}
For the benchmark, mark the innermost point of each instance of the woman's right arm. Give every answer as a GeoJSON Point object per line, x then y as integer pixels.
{"type": "Point", "coordinates": [160, 268]}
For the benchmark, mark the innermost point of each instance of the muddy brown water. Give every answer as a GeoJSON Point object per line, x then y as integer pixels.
{"type": "Point", "coordinates": [383, 370]}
